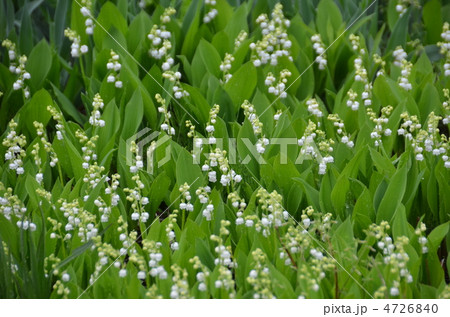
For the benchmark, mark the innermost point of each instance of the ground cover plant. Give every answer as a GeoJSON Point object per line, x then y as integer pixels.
{"type": "Point", "coordinates": [224, 149]}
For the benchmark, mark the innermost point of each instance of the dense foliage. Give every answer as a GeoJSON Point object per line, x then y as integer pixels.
{"type": "Point", "coordinates": [218, 149]}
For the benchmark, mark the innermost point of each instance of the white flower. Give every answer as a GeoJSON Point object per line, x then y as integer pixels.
{"type": "Point", "coordinates": [85, 11]}
{"type": "Point", "coordinates": [65, 277]}
{"type": "Point", "coordinates": [202, 287]}
{"type": "Point", "coordinates": [84, 49]}
{"type": "Point", "coordinates": [141, 275]}
{"type": "Point", "coordinates": [39, 177]}
{"type": "Point", "coordinates": [257, 62]}
{"type": "Point", "coordinates": [134, 216]}
{"type": "Point", "coordinates": [122, 273]}
{"type": "Point", "coordinates": [394, 291]}
{"type": "Point", "coordinates": [306, 222]}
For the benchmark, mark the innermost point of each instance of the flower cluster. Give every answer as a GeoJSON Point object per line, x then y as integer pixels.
{"type": "Point", "coordinates": [185, 202]}
{"type": "Point", "coordinates": [445, 47]}
{"type": "Point", "coordinates": [339, 124]}
{"type": "Point", "coordinates": [379, 129]}
{"type": "Point", "coordinates": [259, 277]}
{"type": "Point", "coordinates": [239, 204]}
{"type": "Point", "coordinates": [242, 36]}
{"type": "Point", "coordinates": [224, 261]}
{"type": "Point", "coordinates": [86, 11]}
{"type": "Point", "coordinates": [175, 77]}
{"type": "Point", "coordinates": [47, 147]}
{"type": "Point", "coordinates": [406, 71]}
{"type": "Point", "coordinates": [167, 115]}
{"type": "Point", "coordinates": [250, 114]}
{"type": "Point", "coordinates": [135, 197]}
{"type": "Point", "coordinates": [446, 106]}
{"type": "Point", "coordinates": [275, 42]}
{"type": "Point", "coordinates": [394, 257]}
{"type": "Point", "coordinates": [298, 248]}
{"type": "Point", "coordinates": [420, 233]}
{"type": "Point", "coordinates": [12, 208]}
{"type": "Point", "coordinates": [202, 276]}
{"type": "Point", "coordinates": [58, 117]}
{"type": "Point", "coordinates": [210, 5]}
{"type": "Point", "coordinates": [114, 67]}
{"type": "Point", "coordinates": [18, 69]}
{"type": "Point", "coordinates": [76, 48]}
{"type": "Point", "coordinates": [320, 50]}
{"type": "Point", "coordinates": [313, 107]}
{"type": "Point", "coordinates": [180, 286]}
{"type": "Point", "coordinates": [361, 72]}
{"type": "Point", "coordinates": [381, 63]}
{"type": "Point", "coordinates": [203, 195]}
{"type": "Point", "coordinates": [273, 213]}
{"type": "Point", "coordinates": [97, 105]}
{"type": "Point", "coordinates": [160, 39]}
{"type": "Point", "coordinates": [170, 232]}
{"type": "Point", "coordinates": [211, 122]}
{"type": "Point", "coordinates": [352, 102]}
{"type": "Point", "coordinates": [191, 127]}
{"type": "Point", "coordinates": [278, 89]}
{"type": "Point", "coordinates": [77, 219]}
{"type": "Point", "coordinates": [155, 255]}
{"type": "Point", "coordinates": [207, 212]}
{"type": "Point", "coordinates": [399, 56]}
{"type": "Point", "coordinates": [425, 140]}
{"type": "Point", "coordinates": [225, 67]}
{"type": "Point", "coordinates": [15, 152]}
{"type": "Point", "coordinates": [315, 145]}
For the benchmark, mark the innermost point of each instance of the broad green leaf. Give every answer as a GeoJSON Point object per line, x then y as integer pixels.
{"type": "Point", "coordinates": [133, 115]}
{"type": "Point", "coordinates": [39, 63]}
{"type": "Point", "coordinates": [241, 86]}
{"type": "Point", "coordinates": [393, 195]}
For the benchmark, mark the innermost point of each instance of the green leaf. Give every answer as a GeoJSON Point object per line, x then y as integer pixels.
{"type": "Point", "coordinates": [328, 12]}
{"type": "Point", "coordinates": [67, 106]}
{"type": "Point", "coordinates": [399, 33]}
{"type": "Point", "coordinates": [393, 195]}
{"type": "Point", "coordinates": [36, 110]}
{"type": "Point", "coordinates": [158, 191]}
{"type": "Point", "coordinates": [39, 64]}
{"type": "Point", "coordinates": [188, 171]}
{"type": "Point", "coordinates": [432, 19]}
{"type": "Point", "coordinates": [363, 214]}
{"type": "Point", "coordinates": [383, 164]}
{"type": "Point", "coordinates": [210, 57]}
{"type": "Point", "coordinates": [109, 18]}
{"type": "Point", "coordinates": [133, 115]}
{"type": "Point", "coordinates": [437, 235]}
{"type": "Point", "coordinates": [241, 86]}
